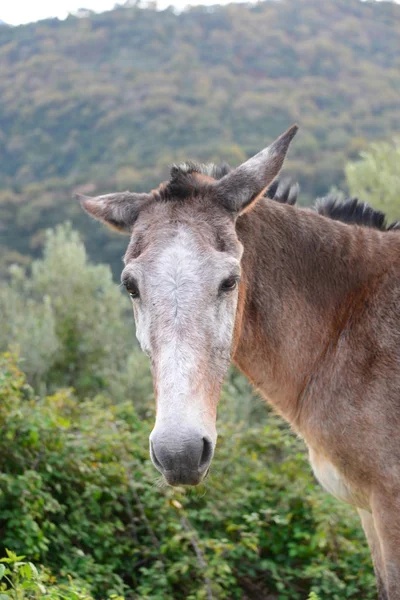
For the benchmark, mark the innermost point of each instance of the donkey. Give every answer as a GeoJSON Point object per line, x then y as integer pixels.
{"type": "Point", "coordinates": [307, 307]}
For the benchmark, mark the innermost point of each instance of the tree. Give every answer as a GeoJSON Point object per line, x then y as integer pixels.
{"type": "Point", "coordinates": [376, 177]}
{"type": "Point", "coordinates": [67, 316]}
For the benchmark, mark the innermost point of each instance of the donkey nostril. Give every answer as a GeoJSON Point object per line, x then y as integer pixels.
{"type": "Point", "coordinates": [156, 462]}
{"type": "Point", "coordinates": [206, 455]}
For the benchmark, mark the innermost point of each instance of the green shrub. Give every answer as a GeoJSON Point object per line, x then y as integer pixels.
{"type": "Point", "coordinates": [374, 178]}
{"type": "Point", "coordinates": [79, 495]}
{"type": "Point", "coordinates": [68, 318]}
{"type": "Point", "coordinates": [20, 579]}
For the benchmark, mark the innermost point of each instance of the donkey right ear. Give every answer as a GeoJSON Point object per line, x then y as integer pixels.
{"type": "Point", "coordinates": [119, 210]}
{"type": "Point", "coordinates": [240, 189]}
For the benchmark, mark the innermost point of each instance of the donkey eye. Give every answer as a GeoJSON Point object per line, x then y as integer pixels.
{"type": "Point", "coordinates": [133, 292]}
{"type": "Point", "coordinates": [132, 289]}
{"type": "Point", "coordinates": [229, 284]}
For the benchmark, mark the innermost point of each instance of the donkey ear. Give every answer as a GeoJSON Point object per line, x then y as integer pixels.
{"type": "Point", "coordinates": [240, 188]}
{"type": "Point", "coordinates": [119, 210]}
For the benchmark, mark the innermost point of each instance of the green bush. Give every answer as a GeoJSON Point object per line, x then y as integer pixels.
{"type": "Point", "coordinates": [67, 317]}
{"type": "Point", "coordinates": [20, 579]}
{"type": "Point", "coordinates": [79, 495]}
{"type": "Point", "coordinates": [375, 177]}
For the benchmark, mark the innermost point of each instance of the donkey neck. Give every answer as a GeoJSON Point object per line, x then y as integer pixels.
{"type": "Point", "coordinates": [303, 277]}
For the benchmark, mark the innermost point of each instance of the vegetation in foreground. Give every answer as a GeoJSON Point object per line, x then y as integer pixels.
{"type": "Point", "coordinates": [79, 497]}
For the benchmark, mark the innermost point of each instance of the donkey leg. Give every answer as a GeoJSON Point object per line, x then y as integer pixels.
{"type": "Point", "coordinates": [368, 524]}
{"type": "Point", "coordinates": [386, 518]}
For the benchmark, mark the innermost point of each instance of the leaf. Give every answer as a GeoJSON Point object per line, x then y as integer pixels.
{"type": "Point", "coordinates": [34, 570]}
{"type": "Point", "coordinates": [2, 571]}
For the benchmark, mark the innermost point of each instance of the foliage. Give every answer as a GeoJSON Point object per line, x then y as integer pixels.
{"type": "Point", "coordinates": [107, 101]}
{"type": "Point", "coordinates": [68, 318]}
{"type": "Point", "coordinates": [376, 179]}
{"type": "Point", "coordinates": [20, 580]}
{"type": "Point", "coordinates": [78, 494]}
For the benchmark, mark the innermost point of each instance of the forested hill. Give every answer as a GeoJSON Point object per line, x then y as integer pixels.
{"type": "Point", "coordinates": [108, 101]}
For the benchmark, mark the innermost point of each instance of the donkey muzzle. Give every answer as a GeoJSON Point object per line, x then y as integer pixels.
{"type": "Point", "coordinates": [183, 458]}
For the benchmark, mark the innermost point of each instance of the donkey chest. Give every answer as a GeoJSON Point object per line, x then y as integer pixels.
{"type": "Point", "coordinates": [334, 482]}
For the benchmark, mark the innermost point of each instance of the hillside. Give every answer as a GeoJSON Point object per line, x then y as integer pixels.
{"type": "Point", "coordinates": [109, 100]}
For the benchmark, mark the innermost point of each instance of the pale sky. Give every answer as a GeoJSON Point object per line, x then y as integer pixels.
{"type": "Point", "coordinates": [15, 12]}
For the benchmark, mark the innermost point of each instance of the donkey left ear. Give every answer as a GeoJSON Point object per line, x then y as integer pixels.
{"type": "Point", "coordinates": [243, 186]}
{"type": "Point", "coordinates": [119, 210]}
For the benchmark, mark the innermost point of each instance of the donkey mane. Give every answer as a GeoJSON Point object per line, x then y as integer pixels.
{"type": "Point", "coordinates": [352, 210]}
{"type": "Point", "coordinates": [208, 169]}
{"type": "Point", "coordinates": [347, 210]}
{"type": "Point", "coordinates": [183, 182]}
{"type": "Point", "coordinates": [333, 206]}
{"type": "Point", "coordinates": [188, 178]}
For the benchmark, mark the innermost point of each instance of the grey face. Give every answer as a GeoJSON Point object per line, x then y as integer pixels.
{"type": "Point", "coordinates": [183, 271]}
{"type": "Point", "coordinates": [184, 294]}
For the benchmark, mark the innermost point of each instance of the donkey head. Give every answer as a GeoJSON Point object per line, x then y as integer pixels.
{"type": "Point", "coordinates": [183, 273]}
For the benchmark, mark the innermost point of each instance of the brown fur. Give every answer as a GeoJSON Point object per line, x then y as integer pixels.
{"type": "Point", "coordinates": [320, 338]}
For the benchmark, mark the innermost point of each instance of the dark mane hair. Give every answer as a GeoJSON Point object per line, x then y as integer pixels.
{"type": "Point", "coordinates": [209, 169]}
{"type": "Point", "coordinates": [183, 181]}
{"type": "Point", "coordinates": [351, 210]}
{"type": "Point", "coordinates": [283, 191]}
{"type": "Point", "coordinates": [348, 210]}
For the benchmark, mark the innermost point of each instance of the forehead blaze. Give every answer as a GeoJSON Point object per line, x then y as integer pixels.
{"type": "Point", "coordinates": [181, 304]}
